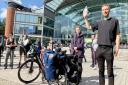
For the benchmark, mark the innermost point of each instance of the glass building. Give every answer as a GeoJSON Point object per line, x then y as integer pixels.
{"type": "Point", "coordinates": [44, 25]}
{"type": "Point", "coordinates": [73, 9]}
{"type": "Point", "coordinates": [28, 23]}
{"type": "Point", "coordinates": [34, 24]}
{"type": "Point", "coordinates": [60, 17]}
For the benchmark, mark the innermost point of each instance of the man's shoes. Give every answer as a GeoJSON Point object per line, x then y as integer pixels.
{"type": "Point", "coordinates": [94, 68]}
{"type": "Point", "coordinates": [18, 66]}
{"type": "Point", "coordinates": [11, 66]}
{"type": "Point", "coordinates": [85, 59]}
{"type": "Point", "coordinates": [5, 66]}
{"type": "Point", "coordinates": [92, 65]}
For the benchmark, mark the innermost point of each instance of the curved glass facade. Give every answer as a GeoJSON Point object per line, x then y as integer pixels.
{"type": "Point", "coordinates": [121, 13]}
{"type": "Point", "coordinates": [64, 28]}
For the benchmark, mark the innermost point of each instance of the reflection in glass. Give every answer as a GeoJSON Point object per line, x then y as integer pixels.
{"type": "Point", "coordinates": [35, 19]}
{"type": "Point", "coordinates": [17, 17]}
{"type": "Point", "coordinates": [27, 18]}
{"type": "Point", "coordinates": [31, 18]}
{"type": "Point", "coordinates": [22, 18]}
{"type": "Point", "coordinates": [28, 29]}
{"type": "Point", "coordinates": [16, 28]}
{"type": "Point", "coordinates": [39, 20]}
{"type": "Point", "coordinates": [49, 22]}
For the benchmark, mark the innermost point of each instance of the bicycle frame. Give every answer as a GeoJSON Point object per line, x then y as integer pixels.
{"type": "Point", "coordinates": [34, 56]}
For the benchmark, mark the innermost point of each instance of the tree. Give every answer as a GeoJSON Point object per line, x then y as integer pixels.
{"type": "Point", "coordinates": [2, 26]}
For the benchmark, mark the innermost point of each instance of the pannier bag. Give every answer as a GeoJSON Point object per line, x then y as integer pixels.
{"type": "Point", "coordinates": [49, 63]}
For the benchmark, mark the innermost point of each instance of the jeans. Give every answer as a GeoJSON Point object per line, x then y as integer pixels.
{"type": "Point", "coordinates": [22, 50]}
{"type": "Point", "coordinates": [93, 57]}
{"type": "Point", "coordinates": [105, 53]}
{"type": "Point", "coordinates": [10, 52]}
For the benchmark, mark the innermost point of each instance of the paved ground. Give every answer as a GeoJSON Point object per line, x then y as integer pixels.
{"type": "Point", "coordinates": [89, 76]}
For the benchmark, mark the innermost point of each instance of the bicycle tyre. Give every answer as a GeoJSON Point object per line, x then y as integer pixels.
{"type": "Point", "coordinates": [21, 68]}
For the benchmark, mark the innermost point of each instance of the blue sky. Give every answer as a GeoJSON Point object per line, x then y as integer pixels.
{"type": "Point", "coordinates": [27, 3]}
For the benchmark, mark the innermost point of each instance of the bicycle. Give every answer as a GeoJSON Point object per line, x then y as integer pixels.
{"type": "Point", "coordinates": [35, 63]}
{"type": "Point", "coordinates": [70, 70]}
{"type": "Point", "coordinates": [58, 66]}
{"type": "Point", "coordinates": [67, 68]}
{"type": "Point", "coordinates": [31, 69]}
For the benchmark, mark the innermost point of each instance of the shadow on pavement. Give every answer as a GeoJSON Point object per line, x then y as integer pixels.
{"type": "Point", "coordinates": [115, 67]}
{"type": "Point", "coordinates": [93, 80]}
{"type": "Point", "coordinates": [38, 83]}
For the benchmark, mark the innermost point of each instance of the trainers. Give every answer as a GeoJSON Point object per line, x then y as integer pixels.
{"type": "Point", "coordinates": [92, 65]}
{"type": "Point", "coordinates": [5, 66]}
{"type": "Point", "coordinates": [94, 68]}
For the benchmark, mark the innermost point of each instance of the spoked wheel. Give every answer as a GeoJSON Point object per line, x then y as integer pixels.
{"type": "Point", "coordinates": [29, 71]}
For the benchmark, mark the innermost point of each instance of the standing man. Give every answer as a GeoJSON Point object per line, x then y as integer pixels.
{"type": "Point", "coordinates": [108, 36]}
{"type": "Point", "coordinates": [10, 44]}
{"type": "Point", "coordinates": [77, 48]}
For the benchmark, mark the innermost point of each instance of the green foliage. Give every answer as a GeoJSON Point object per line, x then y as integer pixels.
{"type": "Point", "coordinates": [2, 26]}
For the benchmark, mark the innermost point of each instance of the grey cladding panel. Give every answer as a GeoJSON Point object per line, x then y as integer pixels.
{"type": "Point", "coordinates": [49, 13]}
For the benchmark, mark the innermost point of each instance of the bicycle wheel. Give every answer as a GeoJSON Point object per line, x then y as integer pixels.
{"type": "Point", "coordinates": [29, 71]}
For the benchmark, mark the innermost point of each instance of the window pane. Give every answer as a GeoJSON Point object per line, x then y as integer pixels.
{"type": "Point", "coordinates": [17, 17]}
{"type": "Point", "coordinates": [17, 28]}
{"type": "Point", "coordinates": [39, 20]}
{"type": "Point", "coordinates": [49, 22]}
{"type": "Point", "coordinates": [31, 18]}
{"type": "Point", "coordinates": [27, 18]}
{"type": "Point", "coordinates": [22, 18]}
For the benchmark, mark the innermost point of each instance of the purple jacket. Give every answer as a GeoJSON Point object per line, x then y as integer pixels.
{"type": "Point", "coordinates": [78, 41]}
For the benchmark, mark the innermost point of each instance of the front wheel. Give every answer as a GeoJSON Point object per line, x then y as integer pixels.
{"type": "Point", "coordinates": [29, 71]}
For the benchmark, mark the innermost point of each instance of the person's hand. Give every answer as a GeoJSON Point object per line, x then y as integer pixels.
{"type": "Point", "coordinates": [85, 12]}
{"type": "Point", "coordinates": [13, 45]}
{"type": "Point", "coordinates": [116, 51]}
{"type": "Point", "coordinates": [75, 48]}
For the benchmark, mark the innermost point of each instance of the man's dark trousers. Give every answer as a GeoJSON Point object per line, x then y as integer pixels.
{"type": "Point", "coordinates": [105, 53]}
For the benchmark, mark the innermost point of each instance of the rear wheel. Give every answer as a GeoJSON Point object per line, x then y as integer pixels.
{"type": "Point", "coordinates": [29, 71]}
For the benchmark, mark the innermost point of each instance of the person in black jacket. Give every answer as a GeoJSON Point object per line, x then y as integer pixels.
{"type": "Point", "coordinates": [77, 48]}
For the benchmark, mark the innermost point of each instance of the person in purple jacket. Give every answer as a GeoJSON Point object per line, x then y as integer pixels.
{"type": "Point", "coordinates": [77, 47]}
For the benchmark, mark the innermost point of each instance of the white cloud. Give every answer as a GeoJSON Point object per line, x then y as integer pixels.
{"type": "Point", "coordinates": [3, 13]}
{"type": "Point", "coordinates": [34, 7]}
